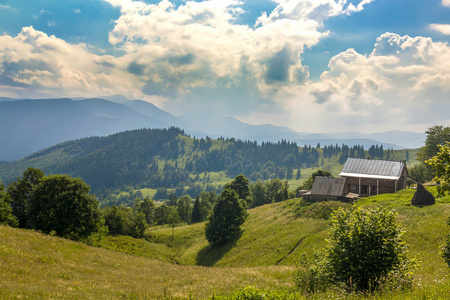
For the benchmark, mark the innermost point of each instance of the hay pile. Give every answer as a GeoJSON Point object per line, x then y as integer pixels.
{"type": "Point", "coordinates": [422, 197]}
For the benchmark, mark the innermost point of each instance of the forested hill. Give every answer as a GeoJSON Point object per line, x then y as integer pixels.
{"type": "Point", "coordinates": [162, 158]}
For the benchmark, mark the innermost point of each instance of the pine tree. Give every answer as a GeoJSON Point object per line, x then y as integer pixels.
{"type": "Point", "coordinates": [196, 214]}
{"type": "Point", "coordinates": [228, 216]}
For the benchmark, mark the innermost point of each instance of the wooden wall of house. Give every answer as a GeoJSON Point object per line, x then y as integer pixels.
{"type": "Point", "coordinates": [384, 185]}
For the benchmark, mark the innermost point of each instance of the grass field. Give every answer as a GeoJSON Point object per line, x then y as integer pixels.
{"type": "Point", "coordinates": [173, 265]}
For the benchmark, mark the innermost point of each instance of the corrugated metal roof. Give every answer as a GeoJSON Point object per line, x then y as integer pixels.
{"type": "Point", "coordinates": [371, 168]}
{"type": "Point", "coordinates": [328, 186]}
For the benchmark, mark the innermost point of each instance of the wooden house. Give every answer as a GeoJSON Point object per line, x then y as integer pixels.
{"type": "Point", "coordinates": [327, 189]}
{"type": "Point", "coordinates": [367, 177]}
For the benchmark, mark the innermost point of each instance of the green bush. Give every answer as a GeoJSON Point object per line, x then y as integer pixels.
{"type": "Point", "coordinates": [365, 252]}
{"type": "Point", "coordinates": [446, 248]}
{"type": "Point", "coordinates": [256, 294]}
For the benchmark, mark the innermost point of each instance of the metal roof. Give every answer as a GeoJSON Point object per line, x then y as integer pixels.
{"type": "Point", "coordinates": [328, 186]}
{"type": "Point", "coordinates": [371, 168]}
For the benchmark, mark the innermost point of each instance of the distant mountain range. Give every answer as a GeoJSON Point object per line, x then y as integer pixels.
{"type": "Point", "coordinates": [27, 126]}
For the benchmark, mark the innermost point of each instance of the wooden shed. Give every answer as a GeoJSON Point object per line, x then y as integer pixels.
{"type": "Point", "coordinates": [372, 177]}
{"type": "Point", "coordinates": [327, 189]}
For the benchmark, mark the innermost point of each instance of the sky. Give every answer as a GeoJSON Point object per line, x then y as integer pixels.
{"type": "Point", "coordinates": [310, 65]}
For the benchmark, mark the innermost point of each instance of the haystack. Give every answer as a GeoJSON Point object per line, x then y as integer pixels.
{"type": "Point", "coordinates": [422, 197]}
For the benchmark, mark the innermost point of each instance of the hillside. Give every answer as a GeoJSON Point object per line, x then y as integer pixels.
{"type": "Point", "coordinates": [264, 256]}
{"type": "Point", "coordinates": [162, 158]}
{"type": "Point", "coordinates": [170, 160]}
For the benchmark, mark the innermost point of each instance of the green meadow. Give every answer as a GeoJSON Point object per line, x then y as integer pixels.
{"type": "Point", "coordinates": [177, 263]}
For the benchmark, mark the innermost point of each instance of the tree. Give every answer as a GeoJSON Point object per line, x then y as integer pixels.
{"type": "Point", "coordinates": [118, 219]}
{"type": "Point", "coordinates": [139, 225]}
{"type": "Point", "coordinates": [173, 219]}
{"type": "Point", "coordinates": [436, 135]}
{"type": "Point", "coordinates": [196, 213]}
{"type": "Point", "coordinates": [299, 174]}
{"type": "Point", "coordinates": [240, 185]}
{"type": "Point", "coordinates": [310, 182]}
{"type": "Point", "coordinates": [20, 193]}
{"type": "Point", "coordinates": [365, 250]}
{"type": "Point", "coordinates": [184, 208]}
{"type": "Point", "coordinates": [63, 205]}
{"type": "Point", "coordinates": [6, 215]}
{"type": "Point", "coordinates": [441, 164]}
{"type": "Point", "coordinates": [228, 216]}
{"type": "Point", "coordinates": [259, 194]}
{"type": "Point", "coordinates": [147, 207]}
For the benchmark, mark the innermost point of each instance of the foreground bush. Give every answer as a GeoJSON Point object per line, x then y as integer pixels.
{"type": "Point", "coordinates": [365, 252]}
{"type": "Point", "coordinates": [256, 294]}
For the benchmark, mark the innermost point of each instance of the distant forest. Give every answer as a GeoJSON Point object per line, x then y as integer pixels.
{"type": "Point", "coordinates": [169, 159]}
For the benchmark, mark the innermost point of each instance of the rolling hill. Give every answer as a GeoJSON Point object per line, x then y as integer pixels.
{"type": "Point", "coordinates": [274, 239]}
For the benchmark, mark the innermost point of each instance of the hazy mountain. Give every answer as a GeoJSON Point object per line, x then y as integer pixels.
{"type": "Point", "coordinates": [27, 126]}
{"type": "Point", "coordinates": [32, 125]}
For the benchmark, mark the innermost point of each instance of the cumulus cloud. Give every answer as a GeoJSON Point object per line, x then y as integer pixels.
{"type": "Point", "coordinates": [196, 55]}
{"type": "Point", "coordinates": [198, 46]}
{"type": "Point", "coordinates": [442, 28]}
{"type": "Point", "coordinates": [446, 2]}
{"type": "Point", "coordinates": [405, 80]}
{"type": "Point", "coordinates": [33, 62]}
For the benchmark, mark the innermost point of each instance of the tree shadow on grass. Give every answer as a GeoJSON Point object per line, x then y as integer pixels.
{"type": "Point", "coordinates": [209, 256]}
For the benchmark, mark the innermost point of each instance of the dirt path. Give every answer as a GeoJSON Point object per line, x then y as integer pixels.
{"type": "Point", "coordinates": [290, 252]}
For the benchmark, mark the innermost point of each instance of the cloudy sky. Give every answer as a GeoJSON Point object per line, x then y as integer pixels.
{"type": "Point", "coordinates": [311, 65]}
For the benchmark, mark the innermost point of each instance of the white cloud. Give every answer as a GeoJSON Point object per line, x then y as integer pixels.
{"type": "Point", "coordinates": [7, 7]}
{"type": "Point", "coordinates": [35, 63]}
{"type": "Point", "coordinates": [446, 2]}
{"type": "Point", "coordinates": [404, 81]}
{"type": "Point", "coordinates": [77, 11]}
{"type": "Point", "coordinates": [442, 28]}
{"type": "Point", "coordinates": [181, 50]}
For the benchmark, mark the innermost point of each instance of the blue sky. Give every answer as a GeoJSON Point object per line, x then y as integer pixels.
{"type": "Point", "coordinates": [370, 65]}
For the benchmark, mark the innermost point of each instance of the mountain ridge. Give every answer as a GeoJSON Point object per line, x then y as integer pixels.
{"type": "Point", "coordinates": [30, 125]}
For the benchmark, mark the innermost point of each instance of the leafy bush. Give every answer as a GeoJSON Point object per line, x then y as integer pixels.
{"type": "Point", "coordinates": [256, 294]}
{"type": "Point", "coordinates": [365, 252]}
{"type": "Point", "coordinates": [446, 247]}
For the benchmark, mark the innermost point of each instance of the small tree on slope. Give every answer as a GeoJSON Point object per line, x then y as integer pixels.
{"type": "Point", "coordinates": [228, 215]}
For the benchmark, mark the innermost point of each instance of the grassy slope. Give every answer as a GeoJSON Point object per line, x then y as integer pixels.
{"type": "Point", "coordinates": [38, 266]}
{"type": "Point", "coordinates": [264, 256]}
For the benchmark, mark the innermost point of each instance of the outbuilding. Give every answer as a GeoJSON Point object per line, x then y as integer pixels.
{"type": "Point", "coordinates": [327, 189]}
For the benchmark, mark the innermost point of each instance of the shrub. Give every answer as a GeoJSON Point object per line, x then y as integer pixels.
{"type": "Point", "coordinates": [365, 252]}
{"type": "Point", "coordinates": [446, 247]}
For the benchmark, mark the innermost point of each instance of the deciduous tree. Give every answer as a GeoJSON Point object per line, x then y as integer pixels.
{"type": "Point", "coordinates": [63, 205]}
{"type": "Point", "coordinates": [441, 164]}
